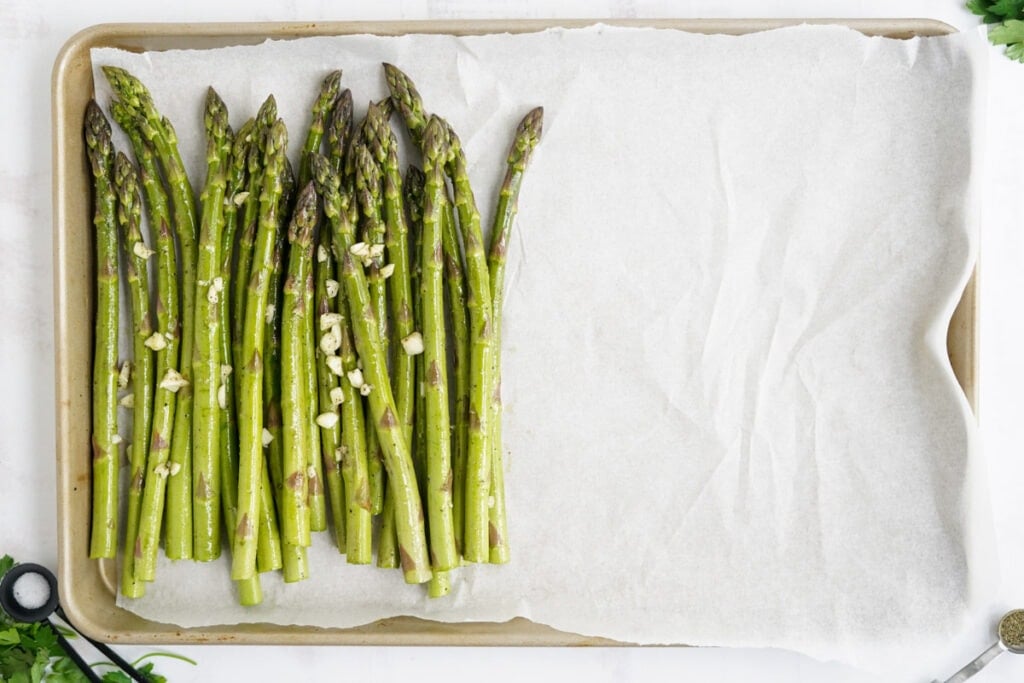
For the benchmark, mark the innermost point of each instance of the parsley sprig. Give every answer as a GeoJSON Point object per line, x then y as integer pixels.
{"type": "Point", "coordinates": [1007, 18]}
{"type": "Point", "coordinates": [29, 653]}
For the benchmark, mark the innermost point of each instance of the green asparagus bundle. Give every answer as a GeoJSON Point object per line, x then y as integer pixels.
{"type": "Point", "coordinates": [294, 377]}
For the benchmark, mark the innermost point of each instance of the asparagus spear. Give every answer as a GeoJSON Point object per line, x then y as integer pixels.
{"type": "Point", "coordinates": [164, 341]}
{"type": "Point", "coordinates": [294, 397]}
{"type": "Point", "coordinates": [160, 133]}
{"type": "Point", "coordinates": [330, 395]}
{"type": "Point", "coordinates": [438, 441]}
{"type": "Point", "coordinates": [136, 253]}
{"type": "Point", "coordinates": [270, 550]}
{"type": "Point", "coordinates": [353, 455]}
{"type": "Point", "coordinates": [339, 131]}
{"type": "Point", "coordinates": [414, 188]}
{"type": "Point", "coordinates": [440, 581]}
{"type": "Point", "coordinates": [234, 196]}
{"type": "Point", "coordinates": [105, 461]}
{"type": "Point", "coordinates": [272, 553]}
{"type": "Point", "coordinates": [250, 591]}
{"type": "Point", "coordinates": [322, 108]}
{"type": "Point", "coordinates": [206, 359]}
{"type": "Point", "coordinates": [373, 380]}
{"type": "Point", "coordinates": [265, 118]}
{"type": "Point", "coordinates": [250, 416]}
{"type": "Point", "coordinates": [408, 101]}
{"type": "Point", "coordinates": [368, 194]}
{"type": "Point", "coordinates": [316, 503]}
{"type": "Point", "coordinates": [476, 544]}
{"type": "Point", "coordinates": [526, 138]}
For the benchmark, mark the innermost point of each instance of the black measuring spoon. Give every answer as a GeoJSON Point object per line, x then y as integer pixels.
{"type": "Point", "coordinates": [30, 614]}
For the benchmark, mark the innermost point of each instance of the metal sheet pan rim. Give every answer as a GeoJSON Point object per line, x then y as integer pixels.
{"type": "Point", "coordinates": [88, 586]}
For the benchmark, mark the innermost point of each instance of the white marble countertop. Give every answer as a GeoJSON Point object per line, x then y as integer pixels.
{"type": "Point", "coordinates": [31, 33]}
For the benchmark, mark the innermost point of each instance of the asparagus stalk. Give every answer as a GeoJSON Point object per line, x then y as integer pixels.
{"type": "Point", "coordinates": [330, 395]}
{"type": "Point", "coordinates": [322, 108]}
{"type": "Point", "coordinates": [265, 118]}
{"type": "Point", "coordinates": [294, 397]}
{"type": "Point", "coordinates": [373, 380]}
{"type": "Point", "coordinates": [160, 133]}
{"type": "Point", "coordinates": [270, 549]}
{"type": "Point", "coordinates": [272, 553]}
{"type": "Point", "coordinates": [136, 255]}
{"type": "Point", "coordinates": [414, 188]}
{"type": "Point", "coordinates": [440, 581]}
{"type": "Point", "coordinates": [476, 543]}
{"type": "Point", "coordinates": [526, 138]}
{"type": "Point", "coordinates": [103, 542]}
{"type": "Point", "coordinates": [368, 194]}
{"type": "Point", "coordinates": [234, 197]}
{"type": "Point", "coordinates": [250, 417]}
{"type": "Point", "coordinates": [353, 450]}
{"type": "Point", "coordinates": [316, 503]}
{"type": "Point", "coordinates": [408, 101]}
{"type": "Point", "coordinates": [438, 440]}
{"type": "Point", "coordinates": [164, 341]}
{"type": "Point", "coordinates": [206, 359]}
{"type": "Point", "coordinates": [339, 131]}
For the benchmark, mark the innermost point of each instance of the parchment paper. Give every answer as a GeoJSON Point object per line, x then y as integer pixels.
{"type": "Point", "coordinates": [729, 419]}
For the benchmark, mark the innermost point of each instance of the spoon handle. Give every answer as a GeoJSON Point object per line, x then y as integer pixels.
{"type": "Point", "coordinates": [73, 655]}
{"type": "Point", "coordinates": [979, 663]}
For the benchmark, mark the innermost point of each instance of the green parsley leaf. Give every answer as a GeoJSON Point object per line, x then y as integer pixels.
{"type": "Point", "coordinates": [10, 637]}
{"type": "Point", "coordinates": [1008, 9]}
{"type": "Point", "coordinates": [6, 564]}
{"type": "Point", "coordinates": [1011, 34]}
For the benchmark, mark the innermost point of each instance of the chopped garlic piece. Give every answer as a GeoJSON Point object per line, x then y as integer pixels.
{"type": "Point", "coordinates": [116, 439]}
{"type": "Point", "coordinates": [413, 344]}
{"type": "Point", "coordinates": [222, 397]}
{"type": "Point", "coordinates": [156, 341]}
{"type": "Point", "coordinates": [329, 320]}
{"type": "Point", "coordinates": [330, 342]}
{"type": "Point", "coordinates": [175, 468]}
{"type": "Point", "coordinates": [334, 365]}
{"type": "Point", "coordinates": [240, 198]}
{"type": "Point", "coordinates": [360, 249]}
{"type": "Point", "coordinates": [337, 396]}
{"type": "Point", "coordinates": [124, 375]}
{"type": "Point", "coordinates": [327, 420]}
{"type": "Point", "coordinates": [376, 250]}
{"type": "Point", "coordinates": [127, 401]}
{"type": "Point", "coordinates": [332, 288]}
{"type": "Point", "coordinates": [365, 389]}
{"type": "Point", "coordinates": [387, 271]}
{"type": "Point", "coordinates": [161, 470]}
{"type": "Point", "coordinates": [267, 437]}
{"type": "Point", "coordinates": [271, 311]}
{"type": "Point", "coordinates": [355, 378]}
{"type": "Point", "coordinates": [173, 381]}
{"type": "Point", "coordinates": [321, 254]}
{"type": "Point", "coordinates": [141, 250]}
{"type": "Point", "coordinates": [225, 372]}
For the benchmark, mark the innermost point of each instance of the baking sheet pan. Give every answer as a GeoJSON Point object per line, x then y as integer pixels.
{"type": "Point", "coordinates": [89, 586]}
